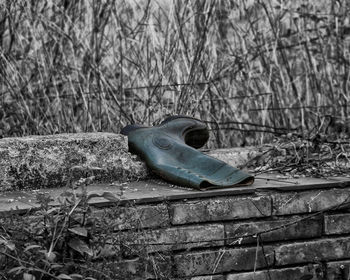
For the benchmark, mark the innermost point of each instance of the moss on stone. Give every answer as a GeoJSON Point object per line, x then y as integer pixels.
{"type": "Point", "coordinates": [51, 161]}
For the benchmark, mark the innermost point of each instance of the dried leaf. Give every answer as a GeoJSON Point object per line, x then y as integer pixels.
{"type": "Point", "coordinates": [30, 247]}
{"type": "Point", "coordinates": [110, 196]}
{"type": "Point", "coordinates": [92, 195]}
{"type": "Point", "coordinates": [81, 231]}
{"type": "Point", "coordinates": [80, 246]}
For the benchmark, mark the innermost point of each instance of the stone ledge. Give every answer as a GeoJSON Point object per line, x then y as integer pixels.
{"type": "Point", "coordinates": [157, 191]}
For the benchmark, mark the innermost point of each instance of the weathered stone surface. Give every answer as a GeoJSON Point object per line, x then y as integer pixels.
{"type": "Point", "coordinates": [295, 273]}
{"type": "Point", "coordinates": [175, 238]}
{"type": "Point", "coordinates": [338, 270]}
{"type": "Point", "coordinates": [220, 209]}
{"type": "Point", "coordinates": [337, 224]}
{"type": "Point", "coordinates": [140, 216]}
{"type": "Point", "coordinates": [225, 260]}
{"type": "Point", "coordinates": [302, 229]}
{"type": "Point", "coordinates": [310, 201]}
{"type": "Point", "coordinates": [313, 251]}
{"type": "Point", "coordinates": [51, 161]}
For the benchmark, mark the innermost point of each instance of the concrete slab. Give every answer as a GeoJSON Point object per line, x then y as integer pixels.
{"type": "Point", "coordinates": [150, 191]}
{"type": "Point", "coordinates": [280, 183]}
{"type": "Point", "coordinates": [154, 191]}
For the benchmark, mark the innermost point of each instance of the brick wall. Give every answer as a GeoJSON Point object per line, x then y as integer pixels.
{"type": "Point", "coordinates": [266, 235]}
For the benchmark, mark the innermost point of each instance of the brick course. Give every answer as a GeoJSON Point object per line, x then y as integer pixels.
{"type": "Point", "coordinates": [154, 267]}
{"type": "Point", "coordinates": [220, 209]}
{"type": "Point", "coordinates": [176, 238]}
{"type": "Point", "coordinates": [296, 273]}
{"type": "Point", "coordinates": [303, 229]}
{"type": "Point", "coordinates": [141, 216]}
{"type": "Point", "coordinates": [225, 260]}
{"type": "Point", "coordinates": [313, 251]}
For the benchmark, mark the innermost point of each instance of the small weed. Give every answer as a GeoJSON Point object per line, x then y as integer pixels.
{"type": "Point", "coordinates": [61, 241]}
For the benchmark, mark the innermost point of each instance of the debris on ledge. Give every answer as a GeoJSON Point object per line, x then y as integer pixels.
{"type": "Point", "coordinates": [52, 161]}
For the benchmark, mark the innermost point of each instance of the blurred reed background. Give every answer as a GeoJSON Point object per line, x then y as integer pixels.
{"type": "Point", "coordinates": [251, 69]}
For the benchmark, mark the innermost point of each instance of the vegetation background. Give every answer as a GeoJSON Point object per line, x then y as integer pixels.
{"type": "Point", "coordinates": [250, 69]}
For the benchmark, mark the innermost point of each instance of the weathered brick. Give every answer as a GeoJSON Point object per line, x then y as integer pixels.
{"type": "Point", "coordinates": [154, 267]}
{"type": "Point", "coordinates": [302, 229]}
{"type": "Point", "coordinates": [337, 224]}
{"type": "Point", "coordinates": [308, 201]}
{"type": "Point", "coordinates": [338, 270]}
{"type": "Point", "coordinates": [225, 260]}
{"type": "Point", "coordinates": [141, 216]}
{"type": "Point", "coordinates": [220, 209]}
{"type": "Point", "coordinates": [305, 272]}
{"type": "Point", "coordinates": [185, 237]}
{"type": "Point", "coordinates": [305, 252]}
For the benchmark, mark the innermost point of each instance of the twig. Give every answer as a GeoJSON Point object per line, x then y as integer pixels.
{"type": "Point", "coordinates": [276, 180]}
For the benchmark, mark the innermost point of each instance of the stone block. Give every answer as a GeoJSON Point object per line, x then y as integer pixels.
{"type": "Point", "coordinates": [338, 270]}
{"type": "Point", "coordinates": [302, 229]}
{"type": "Point", "coordinates": [176, 238]}
{"type": "Point", "coordinates": [337, 224]}
{"type": "Point", "coordinates": [35, 162]}
{"type": "Point", "coordinates": [313, 251]}
{"type": "Point", "coordinates": [140, 216]}
{"type": "Point", "coordinates": [308, 201]}
{"type": "Point", "coordinates": [224, 260]}
{"type": "Point", "coordinates": [312, 272]}
{"type": "Point", "coordinates": [219, 209]}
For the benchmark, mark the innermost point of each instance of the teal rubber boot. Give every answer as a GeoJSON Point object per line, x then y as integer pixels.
{"type": "Point", "coordinates": [170, 150]}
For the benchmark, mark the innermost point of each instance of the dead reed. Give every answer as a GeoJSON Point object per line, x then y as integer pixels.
{"type": "Point", "coordinates": [251, 69]}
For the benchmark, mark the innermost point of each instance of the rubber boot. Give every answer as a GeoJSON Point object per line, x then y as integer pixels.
{"type": "Point", "coordinates": [170, 150]}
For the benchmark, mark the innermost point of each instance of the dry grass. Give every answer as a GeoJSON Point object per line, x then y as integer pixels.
{"type": "Point", "coordinates": [249, 68]}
